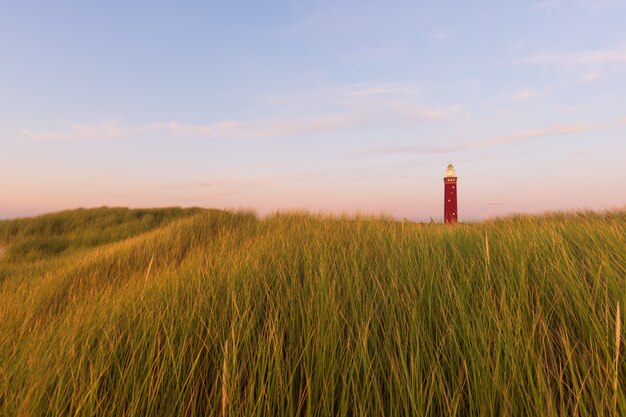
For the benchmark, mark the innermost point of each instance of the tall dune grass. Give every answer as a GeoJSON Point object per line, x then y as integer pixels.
{"type": "Point", "coordinates": [115, 312]}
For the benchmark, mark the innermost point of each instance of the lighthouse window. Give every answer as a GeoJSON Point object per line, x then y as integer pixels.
{"type": "Point", "coordinates": [448, 200]}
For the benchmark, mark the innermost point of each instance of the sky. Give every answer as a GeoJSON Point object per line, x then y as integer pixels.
{"type": "Point", "coordinates": [328, 106]}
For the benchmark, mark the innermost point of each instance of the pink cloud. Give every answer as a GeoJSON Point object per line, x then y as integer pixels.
{"type": "Point", "coordinates": [526, 94]}
{"type": "Point", "coordinates": [516, 137]}
{"type": "Point", "coordinates": [534, 133]}
{"type": "Point", "coordinates": [355, 106]}
{"type": "Point", "coordinates": [229, 129]}
{"type": "Point", "coordinates": [589, 57]}
{"type": "Point", "coordinates": [78, 131]}
{"type": "Point", "coordinates": [233, 129]}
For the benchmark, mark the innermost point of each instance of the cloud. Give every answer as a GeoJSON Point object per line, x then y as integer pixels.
{"type": "Point", "coordinates": [211, 129]}
{"type": "Point", "coordinates": [582, 153]}
{"type": "Point", "coordinates": [349, 95]}
{"type": "Point", "coordinates": [495, 203]}
{"type": "Point", "coordinates": [352, 106]}
{"type": "Point", "coordinates": [373, 101]}
{"type": "Point", "coordinates": [215, 188]}
{"type": "Point", "coordinates": [420, 149]}
{"type": "Point", "coordinates": [525, 135]}
{"type": "Point", "coordinates": [546, 4]}
{"type": "Point", "coordinates": [103, 130]}
{"type": "Point", "coordinates": [416, 112]}
{"type": "Point", "coordinates": [521, 95]}
{"type": "Point", "coordinates": [229, 129]}
{"type": "Point", "coordinates": [591, 76]}
{"type": "Point", "coordinates": [517, 137]}
{"type": "Point", "coordinates": [382, 113]}
{"type": "Point", "coordinates": [438, 36]}
{"type": "Point", "coordinates": [374, 53]}
{"type": "Point", "coordinates": [368, 90]}
{"type": "Point", "coordinates": [233, 129]}
{"type": "Point", "coordinates": [517, 95]}
{"type": "Point", "coordinates": [585, 58]}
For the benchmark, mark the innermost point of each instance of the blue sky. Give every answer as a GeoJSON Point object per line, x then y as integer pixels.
{"type": "Point", "coordinates": [337, 106]}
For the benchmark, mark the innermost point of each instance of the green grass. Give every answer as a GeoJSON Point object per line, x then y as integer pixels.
{"type": "Point", "coordinates": [204, 312]}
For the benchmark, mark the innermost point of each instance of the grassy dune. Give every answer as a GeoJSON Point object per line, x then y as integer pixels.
{"type": "Point", "coordinates": [205, 312]}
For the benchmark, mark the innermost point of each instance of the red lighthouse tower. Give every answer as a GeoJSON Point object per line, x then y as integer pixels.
{"type": "Point", "coordinates": [450, 213]}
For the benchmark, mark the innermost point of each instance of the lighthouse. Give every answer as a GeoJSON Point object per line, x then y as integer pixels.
{"type": "Point", "coordinates": [450, 212]}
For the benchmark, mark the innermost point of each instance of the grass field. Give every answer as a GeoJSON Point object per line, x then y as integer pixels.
{"type": "Point", "coordinates": [204, 312]}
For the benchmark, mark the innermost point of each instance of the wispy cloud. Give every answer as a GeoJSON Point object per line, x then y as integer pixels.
{"type": "Point", "coordinates": [495, 203]}
{"type": "Point", "coordinates": [438, 36]}
{"type": "Point", "coordinates": [374, 53]}
{"type": "Point", "coordinates": [416, 149]}
{"type": "Point", "coordinates": [229, 129]}
{"type": "Point", "coordinates": [211, 129]}
{"type": "Point", "coordinates": [104, 130]}
{"type": "Point", "coordinates": [524, 94]}
{"type": "Point", "coordinates": [369, 90]}
{"type": "Point", "coordinates": [414, 112]}
{"type": "Point", "coordinates": [356, 106]}
{"type": "Point", "coordinates": [546, 4]}
{"type": "Point", "coordinates": [518, 95]}
{"type": "Point", "coordinates": [348, 95]}
{"type": "Point", "coordinates": [373, 101]}
{"type": "Point", "coordinates": [233, 129]}
{"type": "Point", "coordinates": [585, 58]}
{"type": "Point", "coordinates": [557, 130]}
{"type": "Point", "coordinates": [517, 137]}
{"type": "Point", "coordinates": [216, 189]}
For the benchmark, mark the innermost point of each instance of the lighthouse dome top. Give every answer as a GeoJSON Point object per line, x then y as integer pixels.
{"type": "Point", "coordinates": [450, 172]}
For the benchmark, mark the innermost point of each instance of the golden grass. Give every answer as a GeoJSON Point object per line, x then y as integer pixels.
{"type": "Point", "coordinates": [115, 312]}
